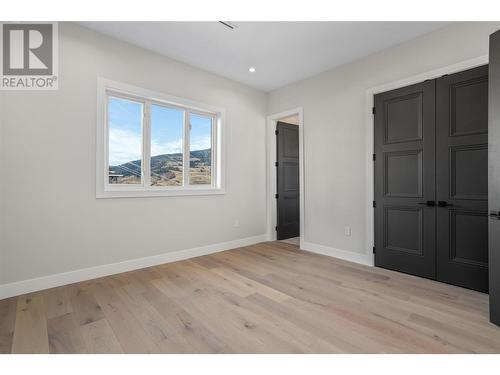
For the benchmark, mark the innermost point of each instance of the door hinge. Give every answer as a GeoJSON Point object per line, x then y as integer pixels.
{"type": "Point", "coordinates": [276, 196]}
{"type": "Point", "coordinates": [374, 204]}
{"type": "Point", "coordinates": [276, 132]}
{"type": "Point", "coordinates": [277, 164]}
{"type": "Point", "coordinates": [276, 228]}
{"type": "Point", "coordinates": [495, 215]}
{"type": "Point", "coordinates": [374, 157]}
{"type": "Point", "coordinates": [374, 110]}
{"type": "Point", "coordinates": [373, 249]}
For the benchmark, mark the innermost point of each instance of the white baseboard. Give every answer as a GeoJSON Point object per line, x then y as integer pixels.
{"type": "Point", "coordinates": [51, 281]}
{"type": "Point", "coordinates": [365, 259]}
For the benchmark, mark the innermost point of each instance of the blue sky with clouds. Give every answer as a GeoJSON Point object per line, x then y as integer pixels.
{"type": "Point", "coordinates": [125, 142]}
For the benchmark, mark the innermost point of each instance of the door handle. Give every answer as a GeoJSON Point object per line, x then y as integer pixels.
{"type": "Point", "coordinates": [444, 204]}
{"type": "Point", "coordinates": [495, 215]}
{"type": "Point", "coordinates": [428, 203]}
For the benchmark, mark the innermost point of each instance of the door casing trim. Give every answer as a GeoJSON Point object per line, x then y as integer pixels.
{"type": "Point", "coordinates": [369, 123]}
{"type": "Point", "coordinates": [271, 171]}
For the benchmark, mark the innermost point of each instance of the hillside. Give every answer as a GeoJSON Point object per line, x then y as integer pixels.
{"type": "Point", "coordinates": [166, 169]}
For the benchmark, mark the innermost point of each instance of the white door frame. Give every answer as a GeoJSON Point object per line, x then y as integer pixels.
{"type": "Point", "coordinates": [370, 220]}
{"type": "Point", "coordinates": [272, 211]}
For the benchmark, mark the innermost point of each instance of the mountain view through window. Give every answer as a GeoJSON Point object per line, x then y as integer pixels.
{"type": "Point", "coordinates": [167, 144]}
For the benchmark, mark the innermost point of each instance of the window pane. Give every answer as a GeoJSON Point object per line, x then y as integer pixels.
{"type": "Point", "coordinates": [125, 141]}
{"type": "Point", "coordinates": [200, 150]}
{"type": "Point", "coordinates": [167, 126]}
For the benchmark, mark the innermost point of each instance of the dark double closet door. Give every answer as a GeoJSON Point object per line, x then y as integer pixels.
{"type": "Point", "coordinates": [431, 179]}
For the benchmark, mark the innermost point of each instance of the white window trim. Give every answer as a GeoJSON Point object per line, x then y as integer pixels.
{"type": "Point", "coordinates": [147, 97]}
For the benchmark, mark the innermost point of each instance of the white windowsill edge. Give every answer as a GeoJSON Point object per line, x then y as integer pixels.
{"type": "Point", "coordinates": [158, 193]}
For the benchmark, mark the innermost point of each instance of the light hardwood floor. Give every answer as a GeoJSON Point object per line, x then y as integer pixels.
{"type": "Point", "coordinates": [266, 298]}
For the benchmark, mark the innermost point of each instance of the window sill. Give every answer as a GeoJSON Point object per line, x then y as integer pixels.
{"type": "Point", "coordinates": [157, 193]}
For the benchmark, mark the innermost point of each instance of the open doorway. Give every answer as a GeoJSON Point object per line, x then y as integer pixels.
{"type": "Point", "coordinates": [285, 154]}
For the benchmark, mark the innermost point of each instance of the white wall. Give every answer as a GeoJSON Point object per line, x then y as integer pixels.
{"type": "Point", "coordinates": [51, 221]}
{"type": "Point", "coordinates": [334, 127]}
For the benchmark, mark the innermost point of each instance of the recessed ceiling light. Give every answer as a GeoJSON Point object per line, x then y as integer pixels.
{"type": "Point", "coordinates": [251, 69]}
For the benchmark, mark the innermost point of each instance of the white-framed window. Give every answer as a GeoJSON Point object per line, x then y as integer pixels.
{"type": "Point", "coordinates": [153, 144]}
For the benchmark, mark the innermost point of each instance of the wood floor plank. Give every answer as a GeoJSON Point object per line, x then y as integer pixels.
{"type": "Point", "coordinates": [331, 330]}
{"type": "Point", "coordinates": [206, 262]}
{"type": "Point", "coordinates": [30, 332]}
{"type": "Point", "coordinates": [57, 302]}
{"type": "Point", "coordinates": [190, 335]}
{"type": "Point", "coordinates": [84, 305]}
{"type": "Point", "coordinates": [240, 331]}
{"type": "Point", "coordinates": [99, 338]}
{"type": "Point", "coordinates": [151, 320]}
{"type": "Point", "coordinates": [265, 298]}
{"type": "Point", "coordinates": [65, 336]}
{"type": "Point", "coordinates": [7, 322]}
{"type": "Point", "coordinates": [127, 329]}
{"type": "Point", "coordinates": [232, 303]}
{"type": "Point", "coordinates": [272, 321]}
{"type": "Point", "coordinates": [251, 285]}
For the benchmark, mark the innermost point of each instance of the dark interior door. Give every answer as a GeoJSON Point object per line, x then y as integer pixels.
{"type": "Point", "coordinates": [287, 142]}
{"type": "Point", "coordinates": [494, 177]}
{"type": "Point", "coordinates": [462, 178]}
{"type": "Point", "coordinates": [431, 179]}
{"type": "Point", "coordinates": [405, 179]}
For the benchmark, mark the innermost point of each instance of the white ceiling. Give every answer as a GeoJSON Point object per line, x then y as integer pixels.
{"type": "Point", "coordinates": [281, 52]}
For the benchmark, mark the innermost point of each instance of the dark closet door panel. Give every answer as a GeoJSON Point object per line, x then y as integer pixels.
{"type": "Point", "coordinates": [462, 178]}
{"type": "Point", "coordinates": [288, 181]}
{"type": "Point", "coordinates": [405, 179]}
{"type": "Point", "coordinates": [494, 176]}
